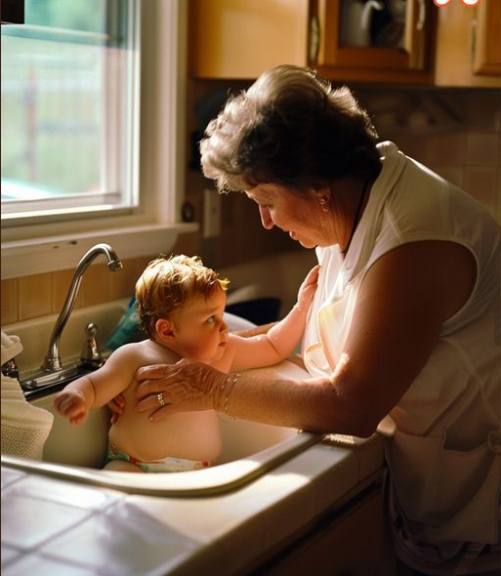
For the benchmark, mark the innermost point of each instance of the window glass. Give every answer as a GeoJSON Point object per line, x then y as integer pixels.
{"type": "Point", "coordinates": [69, 108]}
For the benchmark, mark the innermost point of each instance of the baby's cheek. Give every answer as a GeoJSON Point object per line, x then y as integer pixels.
{"type": "Point", "coordinates": [200, 347]}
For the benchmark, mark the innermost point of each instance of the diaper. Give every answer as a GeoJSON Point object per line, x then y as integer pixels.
{"type": "Point", "coordinates": [166, 465]}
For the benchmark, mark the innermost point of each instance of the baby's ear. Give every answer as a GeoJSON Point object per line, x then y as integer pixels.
{"type": "Point", "coordinates": [164, 329]}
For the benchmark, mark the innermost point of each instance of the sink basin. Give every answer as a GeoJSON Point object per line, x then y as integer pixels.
{"type": "Point", "coordinates": [249, 450]}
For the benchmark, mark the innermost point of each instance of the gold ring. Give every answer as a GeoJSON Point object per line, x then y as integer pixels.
{"type": "Point", "coordinates": [160, 398]}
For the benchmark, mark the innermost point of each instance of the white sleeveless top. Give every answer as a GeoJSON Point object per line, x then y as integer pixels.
{"type": "Point", "coordinates": [443, 438]}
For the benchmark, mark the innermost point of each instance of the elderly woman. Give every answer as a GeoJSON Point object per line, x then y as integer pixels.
{"type": "Point", "coordinates": [406, 319]}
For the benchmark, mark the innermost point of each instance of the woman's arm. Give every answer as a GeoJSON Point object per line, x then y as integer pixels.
{"type": "Point", "coordinates": [402, 303]}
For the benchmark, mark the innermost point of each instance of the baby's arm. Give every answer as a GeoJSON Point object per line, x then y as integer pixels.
{"type": "Point", "coordinates": [281, 340]}
{"type": "Point", "coordinates": [99, 387]}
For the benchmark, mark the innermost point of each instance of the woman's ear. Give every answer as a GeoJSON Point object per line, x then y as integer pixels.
{"type": "Point", "coordinates": [164, 330]}
{"type": "Point", "coordinates": [323, 197]}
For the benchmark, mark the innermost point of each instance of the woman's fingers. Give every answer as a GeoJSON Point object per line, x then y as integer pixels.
{"type": "Point", "coordinates": [117, 405]}
{"type": "Point", "coordinates": [153, 372]}
{"type": "Point", "coordinates": [162, 413]}
{"type": "Point", "coordinates": [149, 403]}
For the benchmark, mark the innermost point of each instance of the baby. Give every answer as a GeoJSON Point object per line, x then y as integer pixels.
{"type": "Point", "coordinates": [181, 304]}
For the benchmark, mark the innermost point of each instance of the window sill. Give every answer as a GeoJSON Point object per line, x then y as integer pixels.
{"type": "Point", "coordinates": [52, 253]}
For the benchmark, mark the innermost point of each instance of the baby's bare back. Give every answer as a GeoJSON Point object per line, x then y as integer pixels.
{"type": "Point", "coordinates": [190, 435]}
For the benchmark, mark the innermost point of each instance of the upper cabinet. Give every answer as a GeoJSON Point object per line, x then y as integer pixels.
{"type": "Point", "coordinates": [468, 45]}
{"type": "Point", "coordinates": [397, 41]}
{"type": "Point", "coordinates": [242, 38]}
{"type": "Point", "coordinates": [377, 40]}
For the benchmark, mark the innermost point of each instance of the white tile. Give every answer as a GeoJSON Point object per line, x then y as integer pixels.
{"type": "Point", "coordinates": [42, 566]}
{"type": "Point", "coordinates": [121, 541]}
{"type": "Point", "coordinates": [370, 456]}
{"type": "Point", "coordinates": [66, 493]}
{"type": "Point", "coordinates": [9, 554]}
{"type": "Point", "coordinates": [27, 522]}
{"type": "Point", "coordinates": [10, 475]}
{"type": "Point", "coordinates": [335, 480]}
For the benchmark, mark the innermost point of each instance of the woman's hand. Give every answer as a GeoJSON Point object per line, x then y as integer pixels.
{"type": "Point", "coordinates": [308, 287]}
{"type": "Point", "coordinates": [164, 389]}
{"type": "Point", "coordinates": [116, 406]}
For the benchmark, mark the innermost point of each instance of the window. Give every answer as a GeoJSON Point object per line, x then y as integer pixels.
{"type": "Point", "coordinates": [102, 203]}
{"type": "Point", "coordinates": [70, 103]}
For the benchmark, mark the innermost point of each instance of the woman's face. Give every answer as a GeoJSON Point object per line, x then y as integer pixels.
{"type": "Point", "coordinates": [298, 215]}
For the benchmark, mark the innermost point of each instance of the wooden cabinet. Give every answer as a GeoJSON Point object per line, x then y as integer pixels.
{"type": "Point", "coordinates": [468, 45]}
{"type": "Point", "coordinates": [242, 38]}
{"type": "Point", "coordinates": [239, 39]}
{"type": "Point", "coordinates": [396, 45]}
{"type": "Point", "coordinates": [352, 543]}
{"type": "Point", "coordinates": [454, 45]}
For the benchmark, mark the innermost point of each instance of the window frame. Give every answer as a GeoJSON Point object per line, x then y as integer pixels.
{"type": "Point", "coordinates": [154, 225]}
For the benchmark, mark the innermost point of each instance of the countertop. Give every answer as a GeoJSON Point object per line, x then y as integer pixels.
{"type": "Point", "coordinates": [60, 527]}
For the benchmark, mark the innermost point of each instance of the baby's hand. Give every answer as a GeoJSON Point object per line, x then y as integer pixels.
{"type": "Point", "coordinates": [308, 287]}
{"type": "Point", "coordinates": [72, 405]}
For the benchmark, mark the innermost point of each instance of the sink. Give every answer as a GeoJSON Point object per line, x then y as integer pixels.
{"type": "Point", "coordinates": [249, 450]}
{"type": "Point", "coordinates": [77, 453]}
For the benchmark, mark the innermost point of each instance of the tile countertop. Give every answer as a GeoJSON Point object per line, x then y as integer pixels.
{"type": "Point", "coordinates": [59, 527]}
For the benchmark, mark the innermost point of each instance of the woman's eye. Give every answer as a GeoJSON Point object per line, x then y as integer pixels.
{"type": "Point", "coordinates": [211, 320]}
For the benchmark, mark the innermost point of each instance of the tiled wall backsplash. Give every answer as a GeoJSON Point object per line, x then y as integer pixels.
{"type": "Point", "coordinates": [456, 133]}
{"type": "Point", "coordinates": [42, 294]}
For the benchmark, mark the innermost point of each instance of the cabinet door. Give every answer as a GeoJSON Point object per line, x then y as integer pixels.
{"type": "Point", "coordinates": [468, 51]}
{"type": "Point", "coordinates": [355, 544]}
{"type": "Point", "coordinates": [242, 38]}
{"type": "Point", "coordinates": [487, 44]}
{"type": "Point", "coordinates": [375, 36]}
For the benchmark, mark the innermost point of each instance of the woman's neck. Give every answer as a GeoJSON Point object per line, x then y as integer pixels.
{"type": "Point", "coordinates": [358, 208]}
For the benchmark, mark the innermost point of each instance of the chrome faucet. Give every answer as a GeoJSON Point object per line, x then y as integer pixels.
{"type": "Point", "coordinates": [52, 362]}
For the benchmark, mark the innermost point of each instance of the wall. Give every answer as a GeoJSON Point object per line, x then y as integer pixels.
{"type": "Point", "coordinates": [457, 133]}
{"type": "Point", "coordinates": [42, 294]}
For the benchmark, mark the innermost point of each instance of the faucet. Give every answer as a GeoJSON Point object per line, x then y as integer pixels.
{"type": "Point", "coordinates": [52, 362]}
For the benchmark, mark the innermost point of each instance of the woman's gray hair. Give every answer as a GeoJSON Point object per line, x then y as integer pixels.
{"type": "Point", "coordinates": [290, 128]}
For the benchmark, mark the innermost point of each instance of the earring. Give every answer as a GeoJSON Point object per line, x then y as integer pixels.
{"type": "Point", "coordinates": [324, 203]}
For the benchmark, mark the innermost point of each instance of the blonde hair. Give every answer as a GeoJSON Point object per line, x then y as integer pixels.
{"type": "Point", "coordinates": [291, 127]}
{"type": "Point", "coordinates": [168, 283]}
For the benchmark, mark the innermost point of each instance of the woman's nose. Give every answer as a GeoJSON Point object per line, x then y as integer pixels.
{"type": "Point", "coordinates": [223, 327]}
{"type": "Point", "coordinates": [266, 219]}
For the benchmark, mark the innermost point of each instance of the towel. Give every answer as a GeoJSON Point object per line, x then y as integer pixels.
{"type": "Point", "coordinates": [25, 428]}
{"type": "Point", "coordinates": [11, 346]}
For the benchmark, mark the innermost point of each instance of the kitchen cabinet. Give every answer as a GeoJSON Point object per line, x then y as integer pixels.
{"type": "Point", "coordinates": [344, 39]}
{"type": "Point", "coordinates": [468, 46]}
{"type": "Point", "coordinates": [352, 542]}
{"type": "Point", "coordinates": [387, 41]}
{"type": "Point", "coordinates": [242, 38]}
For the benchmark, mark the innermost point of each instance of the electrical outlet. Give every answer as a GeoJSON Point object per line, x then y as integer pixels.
{"type": "Point", "coordinates": [212, 213]}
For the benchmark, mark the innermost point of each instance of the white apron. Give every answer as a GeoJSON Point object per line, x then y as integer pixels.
{"type": "Point", "coordinates": [443, 438]}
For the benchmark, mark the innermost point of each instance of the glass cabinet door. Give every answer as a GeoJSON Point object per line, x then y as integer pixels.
{"type": "Point", "coordinates": [389, 35]}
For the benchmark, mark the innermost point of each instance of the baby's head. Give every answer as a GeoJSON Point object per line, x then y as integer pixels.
{"type": "Point", "coordinates": [181, 304]}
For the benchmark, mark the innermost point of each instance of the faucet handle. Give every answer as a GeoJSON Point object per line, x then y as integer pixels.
{"type": "Point", "coordinates": [91, 355]}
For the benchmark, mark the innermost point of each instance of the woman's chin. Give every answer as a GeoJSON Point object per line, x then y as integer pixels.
{"type": "Point", "coordinates": [307, 243]}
